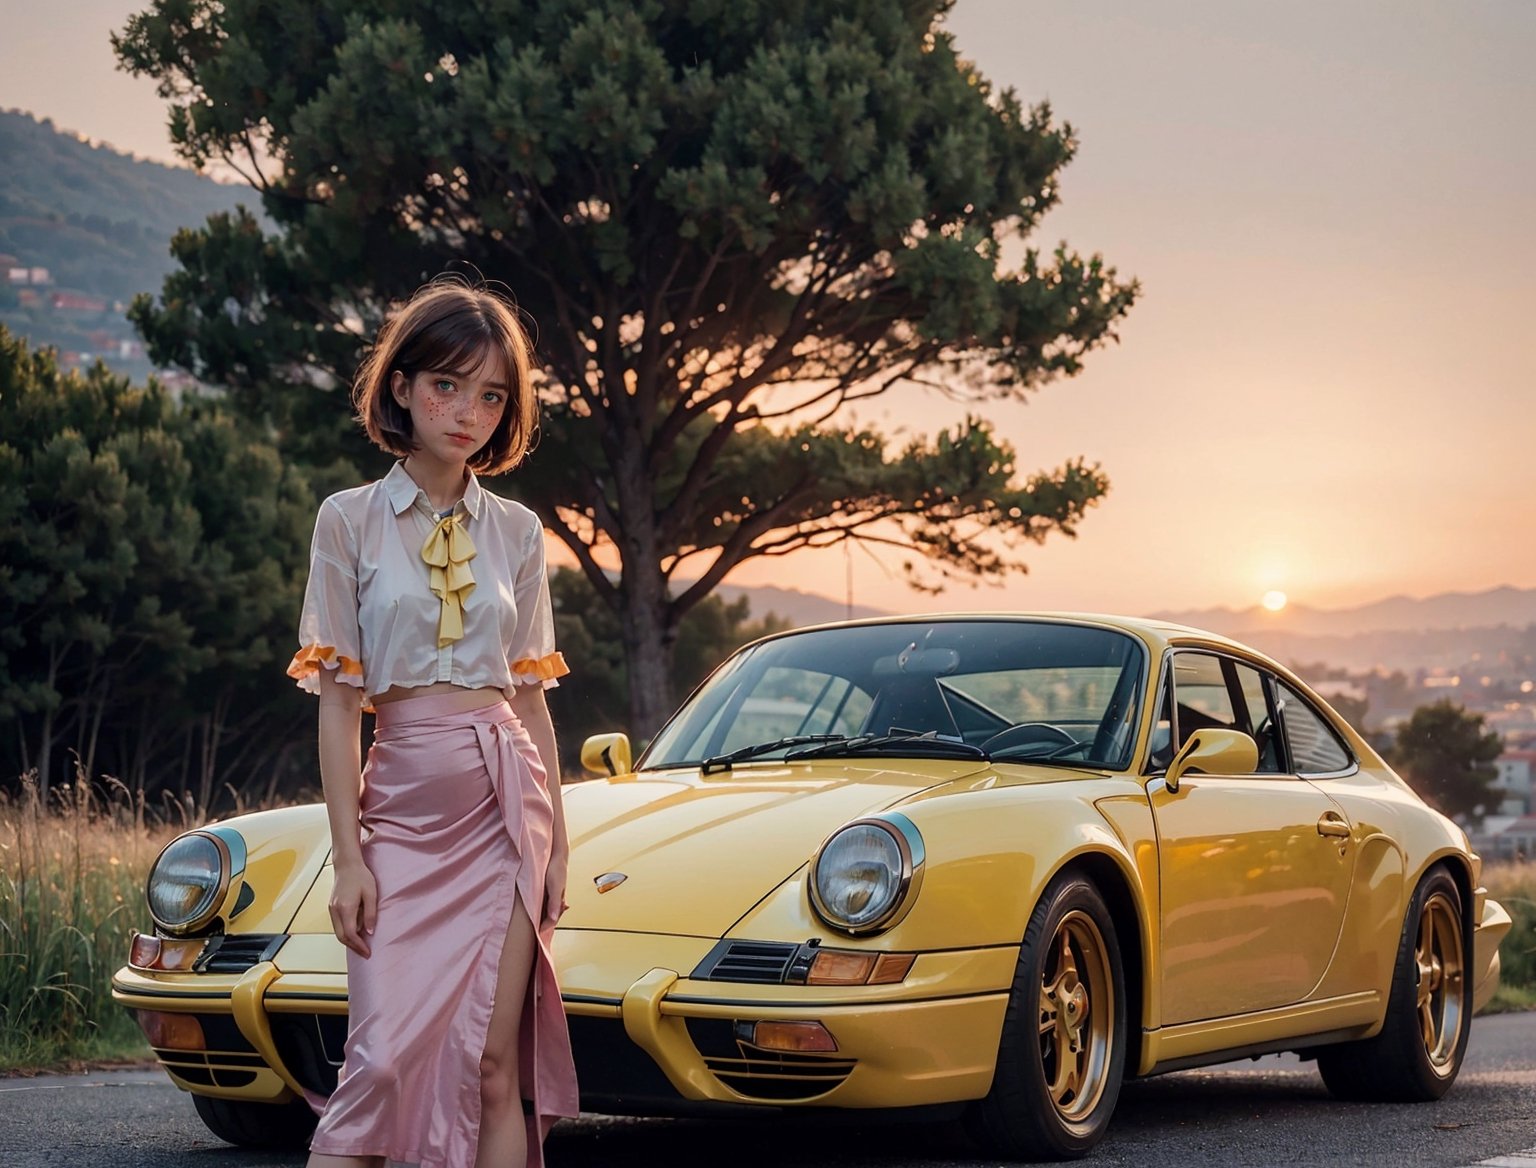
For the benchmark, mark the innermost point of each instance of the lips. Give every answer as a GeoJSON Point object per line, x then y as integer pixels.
{"type": "Point", "coordinates": [461, 437]}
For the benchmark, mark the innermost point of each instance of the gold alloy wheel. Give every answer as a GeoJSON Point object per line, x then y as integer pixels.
{"type": "Point", "coordinates": [1077, 1016]}
{"type": "Point", "coordinates": [1441, 975]}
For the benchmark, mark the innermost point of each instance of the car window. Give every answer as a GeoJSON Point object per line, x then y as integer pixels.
{"type": "Point", "coordinates": [1315, 747]}
{"type": "Point", "coordinates": [1021, 691]}
{"type": "Point", "coordinates": [1161, 751]}
{"type": "Point", "coordinates": [1201, 696]}
{"type": "Point", "coordinates": [1260, 717]}
{"type": "Point", "coordinates": [1215, 692]}
{"type": "Point", "coordinates": [794, 701]}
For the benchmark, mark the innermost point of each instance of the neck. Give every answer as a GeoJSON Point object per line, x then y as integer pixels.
{"type": "Point", "coordinates": [444, 482]}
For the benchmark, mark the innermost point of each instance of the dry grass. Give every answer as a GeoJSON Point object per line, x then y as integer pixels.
{"type": "Point", "coordinates": [1514, 886]}
{"type": "Point", "coordinates": [71, 892]}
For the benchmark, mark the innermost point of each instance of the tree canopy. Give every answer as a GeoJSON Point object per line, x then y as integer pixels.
{"type": "Point", "coordinates": [729, 221]}
{"type": "Point", "coordinates": [1447, 753]}
{"type": "Point", "coordinates": [153, 556]}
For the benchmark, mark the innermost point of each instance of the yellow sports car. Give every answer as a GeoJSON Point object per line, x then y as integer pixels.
{"type": "Point", "coordinates": [985, 866]}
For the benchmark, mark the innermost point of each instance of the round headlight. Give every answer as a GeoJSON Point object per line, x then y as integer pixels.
{"type": "Point", "coordinates": [866, 873]}
{"type": "Point", "coordinates": [188, 882]}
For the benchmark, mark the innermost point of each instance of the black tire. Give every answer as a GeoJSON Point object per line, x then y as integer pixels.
{"type": "Point", "coordinates": [283, 1126]}
{"type": "Point", "coordinates": [1415, 1057]}
{"type": "Point", "coordinates": [1066, 1015]}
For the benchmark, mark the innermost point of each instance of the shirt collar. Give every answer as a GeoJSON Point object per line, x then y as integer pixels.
{"type": "Point", "coordinates": [403, 492]}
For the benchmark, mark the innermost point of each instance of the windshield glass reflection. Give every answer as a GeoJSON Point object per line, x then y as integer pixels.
{"type": "Point", "coordinates": [1020, 691]}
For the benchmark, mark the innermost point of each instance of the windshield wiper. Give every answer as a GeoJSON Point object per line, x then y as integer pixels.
{"type": "Point", "coordinates": [722, 762]}
{"type": "Point", "coordinates": [1056, 755]}
{"type": "Point", "coordinates": [928, 744]}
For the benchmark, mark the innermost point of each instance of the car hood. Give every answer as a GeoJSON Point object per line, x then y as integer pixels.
{"type": "Point", "coordinates": [697, 852]}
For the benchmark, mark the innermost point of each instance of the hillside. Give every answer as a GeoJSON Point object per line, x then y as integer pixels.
{"type": "Point", "coordinates": [99, 220]}
{"type": "Point", "coordinates": [1443, 612]}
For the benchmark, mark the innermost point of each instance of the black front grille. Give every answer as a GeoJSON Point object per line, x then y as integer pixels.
{"type": "Point", "coordinates": [768, 1075]}
{"type": "Point", "coordinates": [237, 952]}
{"type": "Point", "coordinates": [763, 962]}
{"type": "Point", "coordinates": [311, 1046]}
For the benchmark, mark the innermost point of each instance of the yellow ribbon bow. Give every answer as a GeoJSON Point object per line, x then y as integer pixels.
{"type": "Point", "coordinates": [447, 552]}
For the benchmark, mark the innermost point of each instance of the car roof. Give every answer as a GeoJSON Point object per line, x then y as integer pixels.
{"type": "Point", "coordinates": [1154, 632]}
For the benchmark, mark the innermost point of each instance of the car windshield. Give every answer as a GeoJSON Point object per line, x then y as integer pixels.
{"type": "Point", "coordinates": [1008, 690]}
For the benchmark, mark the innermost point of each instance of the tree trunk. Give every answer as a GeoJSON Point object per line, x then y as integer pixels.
{"type": "Point", "coordinates": [648, 644]}
{"type": "Point", "coordinates": [647, 629]}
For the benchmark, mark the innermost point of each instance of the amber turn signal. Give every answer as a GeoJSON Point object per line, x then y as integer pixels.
{"type": "Point", "coordinates": [847, 967]}
{"type": "Point", "coordinates": [793, 1036]}
{"type": "Point", "coordinates": [171, 1031]}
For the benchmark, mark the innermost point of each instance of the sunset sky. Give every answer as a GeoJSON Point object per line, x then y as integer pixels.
{"type": "Point", "coordinates": [1327, 387]}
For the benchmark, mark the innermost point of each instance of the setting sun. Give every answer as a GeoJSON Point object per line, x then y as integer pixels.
{"type": "Point", "coordinates": [1274, 601]}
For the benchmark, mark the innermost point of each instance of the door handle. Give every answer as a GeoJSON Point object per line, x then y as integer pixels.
{"type": "Point", "coordinates": [1334, 824]}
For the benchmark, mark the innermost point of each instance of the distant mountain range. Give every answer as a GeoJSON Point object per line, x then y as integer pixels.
{"type": "Point", "coordinates": [1444, 632]}
{"type": "Point", "coordinates": [798, 608]}
{"type": "Point", "coordinates": [1515, 607]}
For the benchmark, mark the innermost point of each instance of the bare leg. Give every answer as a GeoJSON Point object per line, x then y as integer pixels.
{"type": "Point", "coordinates": [503, 1132]}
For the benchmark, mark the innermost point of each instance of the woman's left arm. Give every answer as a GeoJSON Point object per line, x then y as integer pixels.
{"type": "Point", "coordinates": [532, 711]}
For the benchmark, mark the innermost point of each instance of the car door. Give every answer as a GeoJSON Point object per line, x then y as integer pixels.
{"type": "Point", "coordinates": [1254, 869]}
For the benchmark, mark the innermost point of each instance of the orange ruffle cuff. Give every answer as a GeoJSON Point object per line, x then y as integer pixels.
{"type": "Point", "coordinates": [534, 669]}
{"type": "Point", "coordinates": [308, 661]}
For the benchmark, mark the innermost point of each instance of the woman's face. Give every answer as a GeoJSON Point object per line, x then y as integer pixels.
{"type": "Point", "coordinates": [454, 414]}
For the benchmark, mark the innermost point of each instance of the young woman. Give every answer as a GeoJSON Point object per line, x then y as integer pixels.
{"type": "Point", "coordinates": [427, 601]}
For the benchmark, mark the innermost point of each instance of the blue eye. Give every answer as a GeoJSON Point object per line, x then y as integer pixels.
{"type": "Point", "coordinates": [445, 386]}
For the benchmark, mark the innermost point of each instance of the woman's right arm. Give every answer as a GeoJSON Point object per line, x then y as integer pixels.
{"type": "Point", "coordinates": [354, 895]}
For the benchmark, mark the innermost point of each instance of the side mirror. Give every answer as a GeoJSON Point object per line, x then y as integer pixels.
{"type": "Point", "coordinates": [607, 754]}
{"type": "Point", "coordinates": [1213, 752]}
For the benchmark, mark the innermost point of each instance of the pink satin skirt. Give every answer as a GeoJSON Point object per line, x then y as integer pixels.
{"type": "Point", "coordinates": [456, 822]}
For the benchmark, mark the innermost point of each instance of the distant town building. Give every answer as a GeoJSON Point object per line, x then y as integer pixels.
{"type": "Point", "coordinates": [78, 302]}
{"type": "Point", "coordinates": [1515, 840]}
{"type": "Point", "coordinates": [18, 274]}
{"type": "Point", "coordinates": [1514, 782]}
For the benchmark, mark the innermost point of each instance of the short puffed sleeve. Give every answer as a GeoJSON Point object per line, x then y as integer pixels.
{"type": "Point", "coordinates": [329, 636]}
{"type": "Point", "coordinates": [531, 653]}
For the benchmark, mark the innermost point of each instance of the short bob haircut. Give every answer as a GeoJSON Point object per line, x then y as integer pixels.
{"type": "Point", "coordinates": [450, 326]}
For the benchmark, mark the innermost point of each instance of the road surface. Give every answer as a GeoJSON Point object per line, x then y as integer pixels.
{"type": "Point", "coordinates": [1268, 1112]}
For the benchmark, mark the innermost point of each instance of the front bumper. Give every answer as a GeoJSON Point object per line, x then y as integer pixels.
{"type": "Point", "coordinates": [648, 1038]}
{"type": "Point", "coordinates": [1493, 924]}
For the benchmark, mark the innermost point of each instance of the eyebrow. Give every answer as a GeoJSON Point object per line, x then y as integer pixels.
{"type": "Point", "coordinates": [467, 373]}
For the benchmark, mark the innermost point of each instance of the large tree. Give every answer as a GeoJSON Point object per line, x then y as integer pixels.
{"type": "Point", "coordinates": [1447, 752]}
{"type": "Point", "coordinates": [729, 221]}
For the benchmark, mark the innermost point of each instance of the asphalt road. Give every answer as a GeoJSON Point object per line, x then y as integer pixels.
{"type": "Point", "coordinates": [1269, 1112]}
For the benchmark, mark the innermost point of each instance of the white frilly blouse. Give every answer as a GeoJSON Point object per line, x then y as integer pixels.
{"type": "Point", "coordinates": [399, 595]}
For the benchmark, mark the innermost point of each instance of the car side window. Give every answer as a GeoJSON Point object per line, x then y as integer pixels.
{"type": "Point", "coordinates": [1160, 754]}
{"type": "Point", "coordinates": [1211, 691]}
{"type": "Point", "coordinates": [1201, 698]}
{"type": "Point", "coordinates": [1314, 746]}
{"type": "Point", "coordinates": [1260, 717]}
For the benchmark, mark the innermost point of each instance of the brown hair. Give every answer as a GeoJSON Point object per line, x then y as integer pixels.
{"type": "Point", "coordinates": [450, 326]}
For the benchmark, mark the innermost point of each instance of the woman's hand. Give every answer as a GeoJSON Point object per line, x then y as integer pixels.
{"type": "Point", "coordinates": [354, 906]}
{"type": "Point", "coordinates": [554, 884]}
